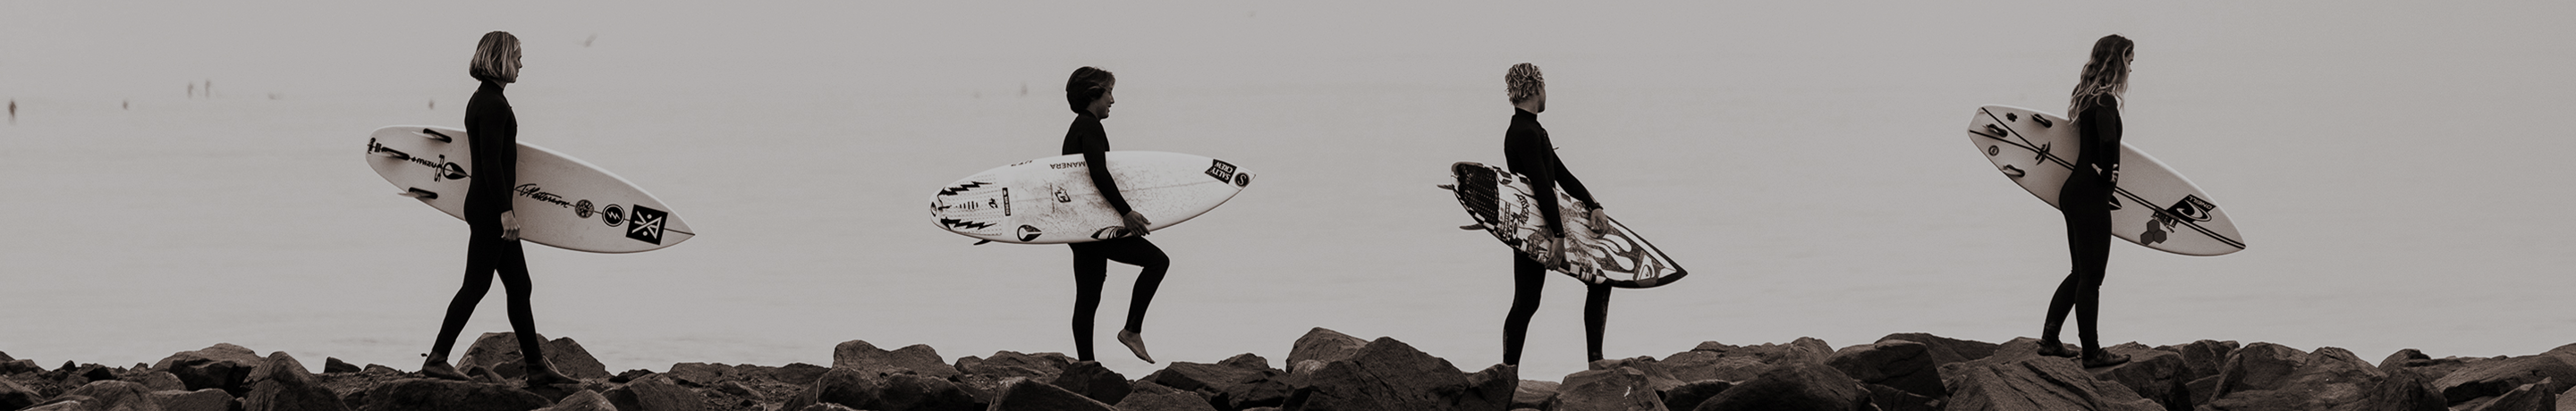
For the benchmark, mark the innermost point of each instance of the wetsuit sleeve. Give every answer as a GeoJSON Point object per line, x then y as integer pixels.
{"type": "Point", "coordinates": [1094, 143]}
{"type": "Point", "coordinates": [1573, 187]}
{"type": "Point", "coordinates": [2102, 121]}
{"type": "Point", "coordinates": [1529, 145]}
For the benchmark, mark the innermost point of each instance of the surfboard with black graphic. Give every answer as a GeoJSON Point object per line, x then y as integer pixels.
{"type": "Point", "coordinates": [2152, 205]}
{"type": "Point", "coordinates": [1502, 204]}
{"type": "Point", "coordinates": [1052, 200]}
{"type": "Point", "coordinates": [560, 201]}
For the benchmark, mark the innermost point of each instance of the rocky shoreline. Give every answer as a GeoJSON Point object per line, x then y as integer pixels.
{"type": "Point", "coordinates": [1330, 371]}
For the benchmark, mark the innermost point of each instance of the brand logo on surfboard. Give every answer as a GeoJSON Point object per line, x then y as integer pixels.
{"type": "Point", "coordinates": [613, 215]}
{"type": "Point", "coordinates": [1029, 233]}
{"type": "Point", "coordinates": [648, 224]}
{"type": "Point", "coordinates": [1219, 169]}
{"type": "Point", "coordinates": [2190, 207]}
{"type": "Point", "coordinates": [581, 209]}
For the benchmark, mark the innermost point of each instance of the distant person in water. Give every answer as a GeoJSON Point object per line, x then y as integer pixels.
{"type": "Point", "coordinates": [493, 131]}
{"type": "Point", "coordinates": [1088, 92]}
{"type": "Point", "coordinates": [2085, 199]}
{"type": "Point", "coordinates": [1528, 152]}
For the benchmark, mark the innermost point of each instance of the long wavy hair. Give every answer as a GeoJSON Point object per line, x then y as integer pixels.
{"type": "Point", "coordinates": [1523, 82]}
{"type": "Point", "coordinates": [2107, 73]}
{"type": "Point", "coordinates": [1087, 84]}
{"type": "Point", "coordinates": [492, 58]}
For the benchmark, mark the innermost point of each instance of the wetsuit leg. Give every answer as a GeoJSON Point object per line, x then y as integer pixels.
{"type": "Point", "coordinates": [1090, 269]}
{"type": "Point", "coordinates": [1138, 252]}
{"type": "Point", "coordinates": [480, 255]}
{"type": "Point", "coordinates": [511, 262]}
{"type": "Point", "coordinates": [2092, 257]}
{"type": "Point", "coordinates": [1528, 277]}
{"type": "Point", "coordinates": [1596, 312]}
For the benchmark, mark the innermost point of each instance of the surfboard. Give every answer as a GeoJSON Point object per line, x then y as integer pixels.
{"type": "Point", "coordinates": [1501, 203]}
{"type": "Point", "coordinates": [1052, 200]}
{"type": "Point", "coordinates": [560, 201]}
{"type": "Point", "coordinates": [2152, 204]}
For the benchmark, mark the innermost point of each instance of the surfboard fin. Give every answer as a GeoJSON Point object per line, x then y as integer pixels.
{"type": "Point", "coordinates": [1472, 227]}
{"type": "Point", "coordinates": [2015, 172]}
{"type": "Point", "coordinates": [1449, 187]}
{"type": "Point", "coordinates": [981, 242]}
{"type": "Point", "coordinates": [435, 135]}
{"type": "Point", "coordinates": [419, 194]}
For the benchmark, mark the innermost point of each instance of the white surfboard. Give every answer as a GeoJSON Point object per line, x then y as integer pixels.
{"type": "Point", "coordinates": [560, 201]}
{"type": "Point", "coordinates": [2152, 206]}
{"type": "Point", "coordinates": [1052, 201]}
{"type": "Point", "coordinates": [1502, 204]}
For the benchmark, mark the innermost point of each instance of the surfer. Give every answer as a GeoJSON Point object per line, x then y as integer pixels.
{"type": "Point", "coordinates": [1088, 93]}
{"type": "Point", "coordinates": [492, 130]}
{"type": "Point", "coordinates": [2085, 199]}
{"type": "Point", "coordinates": [1527, 151]}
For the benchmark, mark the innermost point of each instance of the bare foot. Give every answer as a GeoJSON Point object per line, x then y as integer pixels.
{"type": "Point", "coordinates": [1135, 343]}
{"type": "Point", "coordinates": [542, 373]}
{"type": "Point", "coordinates": [436, 367]}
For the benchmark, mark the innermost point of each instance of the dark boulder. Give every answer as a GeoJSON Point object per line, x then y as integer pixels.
{"type": "Point", "coordinates": [698, 374]}
{"type": "Point", "coordinates": [14, 396]}
{"type": "Point", "coordinates": [1657, 377]}
{"type": "Point", "coordinates": [1945, 350]}
{"type": "Point", "coordinates": [1006, 364]}
{"type": "Point", "coordinates": [845, 386]}
{"type": "Point", "coordinates": [653, 393]}
{"type": "Point", "coordinates": [1717, 361]}
{"type": "Point", "coordinates": [2033, 383]}
{"type": "Point", "coordinates": [2529, 397]}
{"type": "Point", "coordinates": [921, 359]}
{"type": "Point", "coordinates": [2258, 367]}
{"type": "Point", "coordinates": [796, 373]}
{"type": "Point", "coordinates": [1535, 394]}
{"type": "Point", "coordinates": [1323, 346]}
{"type": "Point", "coordinates": [1798, 386]}
{"type": "Point", "coordinates": [109, 395]}
{"type": "Point", "coordinates": [423, 394]}
{"type": "Point", "coordinates": [582, 401]}
{"type": "Point", "coordinates": [200, 400]}
{"type": "Point", "coordinates": [2493, 378]}
{"type": "Point", "coordinates": [222, 366]}
{"type": "Point", "coordinates": [1620, 389]}
{"type": "Point", "coordinates": [923, 393]}
{"type": "Point", "coordinates": [2156, 374]}
{"type": "Point", "coordinates": [1388, 374]}
{"type": "Point", "coordinates": [1092, 380]}
{"type": "Point", "coordinates": [2400, 391]}
{"type": "Point", "coordinates": [1902, 364]}
{"type": "Point", "coordinates": [1896, 399]}
{"type": "Point", "coordinates": [333, 365]}
{"type": "Point", "coordinates": [2326, 379]}
{"type": "Point", "coordinates": [2202, 359]}
{"type": "Point", "coordinates": [1689, 396]}
{"type": "Point", "coordinates": [1031, 395]}
{"type": "Point", "coordinates": [1148, 396]}
{"type": "Point", "coordinates": [282, 384]}
{"type": "Point", "coordinates": [499, 352]}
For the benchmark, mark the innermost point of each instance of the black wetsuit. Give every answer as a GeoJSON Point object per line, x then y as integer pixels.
{"type": "Point", "coordinates": [2085, 200]}
{"type": "Point", "coordinates": [493, 132]}
{"type": "Point", "coordinates": [1526, 151]}
{"type": "Point", "coordinates": [1091, 259]}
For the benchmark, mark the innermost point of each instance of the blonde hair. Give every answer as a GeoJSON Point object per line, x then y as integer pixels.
{"type": "Point", "coordinates": [492, 58]}
{"type": "Point", "coordinates": [2106, 73]}
{"type": "Point", "coordinates": [1523, 82]}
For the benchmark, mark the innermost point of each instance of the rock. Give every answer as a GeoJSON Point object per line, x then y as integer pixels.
{"type": "Point", "coordinates": [1717, 361]}
{"type": "Point", "coordinates": [1656, 376]}
{"type": "Point", "coordinates": [159, 381]}
{"type": "Point", "coordinates": [1902, 364]}
{"type": "Point", "coordinates": [1535, 394]}
{"type": "Point", "coordinates": [1896, 399]}
{"type": "Point", "coordinates": [629, 375]}
{"type": "Point", "coordinates": [1266, 392]}
{"type": "Point", "coordinates": [1491, 388]}
{"type": "Point", "coordinates": [2030, 383]}
{"type": "Point", "coordinates": [2537, 396]}
{"type": "Point", "coordinates": [1621, 389]}
{"type": "Point", "coordinates": [1030, 395]}
{"type": "Point", "coordinates": [698, 374]}
{"type": "Point", "coordinates": [66, 403]}
{"type": "Point", "coordinates": [1385, 374]}
{"type": "Point", "coordinates": [1203, 378]}
{"type": "Point", "coordinates": [113, 395]}
{"type": "Point", "coordinates": [2492, 378]}
{"type": "Point", "coordinates": [2202, 390]}
{"type": "Point", "coordinates": [1243, 381]}
{"type": "Point", "coordinates": [2400, 391]}
{"type": "Point", "coordinates": [2564, 352]}
{"type": "Point", "coordinates": [500, 353]}
{"type": "Point", "coordinates": [1324, 345]}
{"type": "Point", "coordinates": [1006, 364]}
{"type": "Point", "coordinates": [333, 365]}
{"type": "Point", "coordinates": [1093, 381]}
{"type": "Point", "coordinates": [859, 355]}
{"type": "Point", "coordinates": [2258, 367]}
{"type": "Point", "coordinates": [200, 400]}
{"type": "Point", "coordinates": [221, 366]}
{"type": "Point", "coordinates": [1148, 396]}
{"type": "Point", "coordinates": [653, 393]}
{"type": "Point", "coordinates": [797, 373]}
{"type": "Point", "coordinates": [19, 366]}
{"type": "Point", "coordinates": [423, 394]}
{"type": "Point", "coordinates": [1689, 395]}
{"type": "Point", "coordinates": [282, 384]}
{"type": "Point", "coordinates": [2202, 359]}
{"type": "Point", "coordinates": [2405, 358]}
{"type": "Point", "coordinates": [1944, 350]}
{"type": "Point", "coordinates": [95, 372]}
{"type": "Point", "coordinates": [582, 401]}
{"type": "Point", "coordinates": [843, 386]}
{"type": "Point", "coordinates": [1794, 386]}
{"type": "Point", "coordinates": [736, 388]}
{"type": "Point", "coordinates": [826, 407]}
{"type": "Point", "coordinates": [14, 396]}
{"type": "Point", "coordinates": [922, 392]}
{"type": "Point", "coordinates": [2326, 379]}
{"type": "Point", "coordinates": [2158, 375]}
{"type": "Point", "coordinates": [2566, 400]}
{"type": "Point", "coordinates": [373, 369]}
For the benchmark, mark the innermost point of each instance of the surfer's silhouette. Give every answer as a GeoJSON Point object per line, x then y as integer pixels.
{"type": "Point", "coordinates": [1088, 94]}
{"type": "Point", "coordinates": [1528, 152]}
{"type": "Point", "coordinates": [2085, 199]}
{"type": "Point", "coordinates": [493, 129]}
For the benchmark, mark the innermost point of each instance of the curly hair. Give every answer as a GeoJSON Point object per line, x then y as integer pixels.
{"type": "Point", "coordinates": [1087, 84]}
{"type": "Point", "coordinates": [1523, 82]}
{"type": "Point", "coordinates": [492, 58]}
{"type": "Point", "coordinates": [2106, 73]}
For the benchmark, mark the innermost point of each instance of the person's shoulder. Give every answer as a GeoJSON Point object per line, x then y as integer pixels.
{"type": "Point", "coordinates": [2106, 101]}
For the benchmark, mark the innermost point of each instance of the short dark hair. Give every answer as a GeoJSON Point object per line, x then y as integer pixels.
{"type": "Point", "coordinates": [492, 58]}
{"type": "Point", "coordinates": [1087, 84]}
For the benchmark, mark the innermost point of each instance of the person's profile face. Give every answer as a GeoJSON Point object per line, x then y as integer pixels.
{"type": "Point", "coordinates": [1100, 107]}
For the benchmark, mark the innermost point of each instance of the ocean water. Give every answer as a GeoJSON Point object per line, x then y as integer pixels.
{"type": "Point", "coordinates": [2392, 165]}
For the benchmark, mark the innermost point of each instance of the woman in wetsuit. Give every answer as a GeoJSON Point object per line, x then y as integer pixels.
{"type": "Point", "coordinates": [1088, 93]}
{"type": "Point", "coordinates": [493, 132]}
{"type": "Point", "coordinates": [1527, 151]}
{"type": "Point", "coordinates": [2085, 199]}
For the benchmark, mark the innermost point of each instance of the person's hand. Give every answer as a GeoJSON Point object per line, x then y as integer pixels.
{"type": "Point", "coordinates": [1136, 223]}
{"type": "Point", "coordinates": [1600, 222]}
{"type": "Point", "coordinates": [1556, 253]}
{"type": "Point", "coordinates": [510, 225]}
